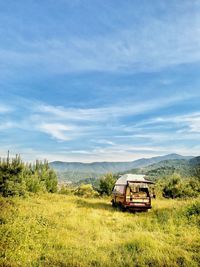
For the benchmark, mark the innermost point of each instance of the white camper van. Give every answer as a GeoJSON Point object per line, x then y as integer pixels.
{"type": "Point", "coordinates": [132, 192]}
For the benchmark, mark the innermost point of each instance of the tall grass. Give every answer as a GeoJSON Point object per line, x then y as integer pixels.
{"type": "Point", "coordinates": [57, 230]}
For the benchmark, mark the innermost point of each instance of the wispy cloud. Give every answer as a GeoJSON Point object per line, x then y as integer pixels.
{"type": "Point", "coordinates": [7, 125]}
{"type": "Point", "coordinates": [56, 130]}
{"type": "Point", "coordinates": [192, 121]}
{"type": "Point", "coordinates": [70, 123]}
{"type": "Point", "coordinates": [120, 109]}
{"type": "Point", "coordinates": [187, 122]}
{"type": "Point", "coordinates": [5, 108]}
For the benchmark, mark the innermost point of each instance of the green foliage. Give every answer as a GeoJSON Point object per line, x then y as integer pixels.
{"type": "Point", "coordinates": [192, 212]}
{"type": "Point", "coordinates": [194, 209]}
{"type": "Point", "coordinates": [93, 181]}
{"type": "Point", "coordinates": [11, 177]}
{"type": "Point", "coordinates": [76, 176]}
{"type": "Point", "coordinates": [34, 184]}
{"type": "Point", "coordinates": [67, 190]}
{"type": "Point", "coordinates": [106, 184]}
{"type": "Point", "coordinates": [177, 187]}
{"type": "Point", "coordinates": [86, 190]}
{"type": "Point", "coordinates": [16, 177]}
{"type": "Point", "coordinates": [51, 181]}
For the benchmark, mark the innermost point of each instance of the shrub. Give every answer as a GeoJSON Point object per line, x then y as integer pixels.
{"type": "Point", "coordinates": [177, 187]}
{"type": "Point", "coordinates": [194, 209]}
{"type": "Point", "coordinates": [67, 190]}
{"type": "Point", "coordinates": [86, 190]}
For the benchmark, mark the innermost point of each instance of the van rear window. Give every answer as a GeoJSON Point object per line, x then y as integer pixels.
{"type": "Point", "coordinates": [138, 190]}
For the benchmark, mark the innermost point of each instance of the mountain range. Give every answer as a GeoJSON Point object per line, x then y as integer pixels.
{"type": "Point", "coordinates": [74, 171]}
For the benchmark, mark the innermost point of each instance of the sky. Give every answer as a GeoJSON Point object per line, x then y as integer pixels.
{"type": "Point", "coordinates": [99, 80]}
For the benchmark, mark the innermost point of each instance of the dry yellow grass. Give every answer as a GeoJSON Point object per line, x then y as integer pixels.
{"type": "Point", "coordinates": [57, 230]}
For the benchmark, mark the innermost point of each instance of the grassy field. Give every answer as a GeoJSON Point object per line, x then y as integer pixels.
{"type": "Point", "coordinates": [58, 230]}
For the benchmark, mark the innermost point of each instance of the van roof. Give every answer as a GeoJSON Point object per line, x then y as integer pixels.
{"type": "Point", "coordinates": [140, 178]}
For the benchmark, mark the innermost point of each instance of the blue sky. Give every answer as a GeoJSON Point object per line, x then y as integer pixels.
{"type": "Point", "coordinates": [99, 80]}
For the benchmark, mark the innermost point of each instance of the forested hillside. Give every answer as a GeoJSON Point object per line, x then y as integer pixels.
{"type": "Point", "coordinates": [185, 168]}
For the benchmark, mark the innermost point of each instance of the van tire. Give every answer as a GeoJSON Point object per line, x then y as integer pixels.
{"type": "Point", "coordinates": [122, 208]}
{"type": "Point", "coordinates": [114, 204]}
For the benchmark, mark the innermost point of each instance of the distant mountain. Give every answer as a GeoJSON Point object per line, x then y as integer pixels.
{"type": "Point", "coordinates": [185, 167]}
{"type": "Point", "coordinates": [195, 166]}
{"type": "Point", "coordinates": [195, 161]}
{"type": "Point", "coordinates": [75, 171]}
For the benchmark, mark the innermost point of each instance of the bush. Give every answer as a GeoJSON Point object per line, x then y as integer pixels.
{"type": "Point", "coordinates": [67, 190]}
{"type": "Point", "coordinates": [86, 190]}
{"type": "Point", "coordinates": [194, 209]}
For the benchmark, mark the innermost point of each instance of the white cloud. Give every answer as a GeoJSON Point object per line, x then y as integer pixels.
{"type": "Point", "coordinates": [104, 142]}
{"type": "Point", "coordinates": [192, 121]}
{"type": "Point", "coordinates": [101, 135]}
{"type": "Point", "coordinates": [56, 130]}
{"type": "Point", "coordinates": [70, 123]}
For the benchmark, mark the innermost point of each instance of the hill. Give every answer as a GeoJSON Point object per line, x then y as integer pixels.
{"type": "Point", "coordinates": [185, 167]}
{"type": "Point", "coordinates": [195, 165]}
{"type": "Point", "coordinates": [75, 171]}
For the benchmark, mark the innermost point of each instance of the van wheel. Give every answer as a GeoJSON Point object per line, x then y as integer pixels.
{"type": "Point", "coordinates": [114, 204]}
{"type": "Point", "coordinates": [122, 208]}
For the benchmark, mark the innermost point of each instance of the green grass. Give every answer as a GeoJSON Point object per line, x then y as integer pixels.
{"type": "Point", "coordinates": [58, 230]}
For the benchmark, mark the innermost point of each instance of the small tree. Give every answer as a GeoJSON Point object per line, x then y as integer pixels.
{"type": "Point", "coordinates": [34, 185]}
{"type": "Point", "coordinates": [106, 184]}
{"type": "Point", "coordinates": [11, 177]}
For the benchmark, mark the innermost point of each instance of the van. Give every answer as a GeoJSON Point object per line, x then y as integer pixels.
{"type": "Point", "coordinates": [132, 192]}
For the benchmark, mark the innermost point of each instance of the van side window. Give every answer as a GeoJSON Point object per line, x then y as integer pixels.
{"type": "Point", "coordinates": [119, 189]}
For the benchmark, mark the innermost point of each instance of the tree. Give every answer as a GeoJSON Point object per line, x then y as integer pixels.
{"type": "Point", "coordinates": [17, 177]}
{"type": "Point", "coordinates": [11, 177]}
{"type": "Point", "coordinates": [51, 181]}
{"type": "Point", "coordinates": [106, 184]}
